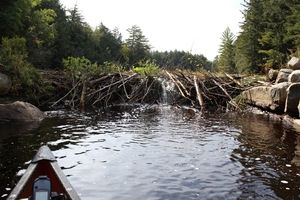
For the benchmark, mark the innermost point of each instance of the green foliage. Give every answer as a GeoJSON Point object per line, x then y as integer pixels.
{"type": "Point", "coordinates": [179, 59]}
{"type": "Point", "coordinates": [138, 44]}
{"type": "Point", "coordinates": [147, 67]}
{"type": "Point", "coordinates": [107, 44]}
{"type": "Point", "coordinates": [292, 25]}
{"type": "Point", "coordinates": [226, 59]}
{"type": "Point", "coordinates": [12, 15]}
{"type": "Point", "coordinates": [270, 32]}
{"type": "Point", "coordinates": [40, 37]}
{"type": "Point", "coordinates": [79, 68]}
{"type": "Point", "coordinates": [109, 67]}
{"type": "Point", "coordinates": [24, 76]}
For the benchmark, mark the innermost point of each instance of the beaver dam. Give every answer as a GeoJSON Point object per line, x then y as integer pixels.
{"type": "Point", "coordinates": [199, 90]}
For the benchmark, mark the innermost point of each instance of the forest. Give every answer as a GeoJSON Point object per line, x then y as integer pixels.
{"type": "Point", "coordinates": [43, 35]}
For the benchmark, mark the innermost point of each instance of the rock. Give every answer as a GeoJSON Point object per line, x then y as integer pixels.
{"type": "Point", "coordinates": [20, 111]}
{"type": "Point", "coordinates": [292, 100]}
{"type": "Point", "coordinates": [294, 63]}
{"type": "Point", "coordinates": [5, 84]}
{"type": "Point", "coordinates": [272, 74]}
{"type": "Point", "coordinates": [296, 159]}
{"type": "Point", "coordinates": [267, 97]}
{"type": "Point", "coordinates": [294, 77]}
{"type": "Point", "coordinates": [283, 75]}
{"type": "Point", "coordinates": [299, 108]}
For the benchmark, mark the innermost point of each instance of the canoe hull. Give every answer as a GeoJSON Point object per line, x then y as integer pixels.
{"type": "Point", "coordinates": [44, 166]}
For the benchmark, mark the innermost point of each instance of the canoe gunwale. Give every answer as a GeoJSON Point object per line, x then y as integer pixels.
{"type": "Point", "coordinates": [24, 179]}
{"type": "Point", "coordinates": [44, 155]}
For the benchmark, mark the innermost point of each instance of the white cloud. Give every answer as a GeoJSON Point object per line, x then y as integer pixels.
{"type": "Point", "coordinates": [195, 25]}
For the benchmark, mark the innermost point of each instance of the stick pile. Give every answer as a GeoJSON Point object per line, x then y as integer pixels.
{"type": "Point", "coordinates": [210, 90]}
{"type": "Point", "coordinates": [106, 89]}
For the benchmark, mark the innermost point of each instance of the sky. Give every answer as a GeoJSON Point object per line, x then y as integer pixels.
{"type": "Point", "coordinates": [188, 25]}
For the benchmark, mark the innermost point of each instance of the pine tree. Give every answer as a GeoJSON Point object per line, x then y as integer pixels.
{"type": "Point", "coordinates": [107, 44]}
{"type": "Point", "coordinates": [138, 44]}
{"type": "Point", "coordinates": [226, 60]}
{"type": "Point", "coordinates": [273, 46]}
{"type": "Point", "coordinates": [247, 58]}
{"type": "Point", "coordinates": [292, 26]}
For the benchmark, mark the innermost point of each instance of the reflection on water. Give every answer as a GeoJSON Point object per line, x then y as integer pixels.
{"type": "Point", "coordinates": [161, 152]}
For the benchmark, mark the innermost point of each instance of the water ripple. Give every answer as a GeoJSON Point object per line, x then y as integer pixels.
{"type": "Point", "coordinates": [164, 152]}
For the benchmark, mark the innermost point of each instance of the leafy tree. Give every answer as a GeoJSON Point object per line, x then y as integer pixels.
{"type": "Point", "coordinates": [13, 55]}
{"type": "Point", "coordinates": [138, 44]}
{"type": "Point", "coordinates": [25, 18]}
{"type": "Point", "coordinates": [40, 36]}
{"type": "Point", "coordinates": [226, 59]}
{"type": "Point", "coordinates": [61, 47]}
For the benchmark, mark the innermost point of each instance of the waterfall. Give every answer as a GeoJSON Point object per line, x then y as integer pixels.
{"type": "Point", "coordinates": [168, 88]}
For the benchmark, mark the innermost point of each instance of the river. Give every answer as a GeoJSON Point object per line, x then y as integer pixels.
{"type": "Point", "coordinates": [159, 152]}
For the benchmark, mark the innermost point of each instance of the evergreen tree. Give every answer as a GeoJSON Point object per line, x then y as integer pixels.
{"type": "Point", "coordinates": [12, 15]}
{"type": "Point", "coordinates": [292, 26]}
{"type": "Point", "coordinates": [107, 44]}
{"type": "Point", "coordinates": [79, 34]}
{"type": "Point", "coordinates": [226, 59]}
{"type": "Point", "coordinates": [138, 44]}
{"type": "Point", "coordinates": [247, 58]}
{"type": "Point", "coordinates": [272, 42]}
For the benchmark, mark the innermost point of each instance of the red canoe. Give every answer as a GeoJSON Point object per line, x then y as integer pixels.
{"type": "Point", "coordinates": [43, 167]}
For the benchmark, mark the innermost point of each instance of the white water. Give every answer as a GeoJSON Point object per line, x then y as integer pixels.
{"type": "Point", "coordinates": [168, 88]}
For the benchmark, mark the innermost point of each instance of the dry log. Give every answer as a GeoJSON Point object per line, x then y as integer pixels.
{"type": "Point", "coordinates": [199, 96]}
{"type": "Point", "coordinates": [174, 81]}
{"type": "Point", "coordinates": [113, 84]}
{"type": "Point", "coordinates": [82, 102]}
{"type": "Point", "coordinates": [123, 83]}
{"type": "Point", "coordinates": [234, 80]}
{"type": "Point", "coordinates": [92, 82]}
{"type": "Point", "coordinates": [231, 102]}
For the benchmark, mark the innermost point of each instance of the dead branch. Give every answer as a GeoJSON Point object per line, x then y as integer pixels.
{"type": "Point", "coordinates": [199, 96]}
{"type": "Point", "coordinates": [234, 80]}
{"type": "Point", "coordinates": [113, 84]}
{"type": "Point", "coordinates": [65, 95]}
{"type": "Point", "coordinates": [171, 77]}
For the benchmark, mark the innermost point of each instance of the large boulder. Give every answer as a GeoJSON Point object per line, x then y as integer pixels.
{"type": "Point", "coordinates": [292, 100]}
{"type": "Point", "coordinates": [283, 75]}
{"type": "Point", "coordinates": [267, 97]}
{"type": "Point", "coordinates": [20, 111]}
{"type": "Point", "coordinates": [272, 74]}
{"type": "Point", "coordinates": [294, 77]}
{"type": "Point", "coordinates": [5, 84]}
{"type": "Point", "coordinates": [294, 63]}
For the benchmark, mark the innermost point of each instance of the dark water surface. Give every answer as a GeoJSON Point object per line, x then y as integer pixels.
{"type": "Point", "coordinates": [159, 152]}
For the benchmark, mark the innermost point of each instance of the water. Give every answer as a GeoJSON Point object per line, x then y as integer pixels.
{"type": "Point", "coordinates": [168, 90]}
{"type": "Point", "coordinates": [159, 152]}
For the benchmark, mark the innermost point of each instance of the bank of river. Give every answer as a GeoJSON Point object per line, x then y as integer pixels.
{"type": "Point", "coordinates": [159, 152]}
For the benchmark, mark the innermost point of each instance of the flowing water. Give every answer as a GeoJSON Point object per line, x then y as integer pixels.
{"type": "Point", "coordinates": [159, 152]}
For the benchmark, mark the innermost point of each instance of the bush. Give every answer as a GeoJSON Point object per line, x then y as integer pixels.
{"type": "Point", "coordinates": [109, 67]}
{"type": "Point", "coordinates": [13, 55]}
{"type": "Point", "coordinates": [147, 67]}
